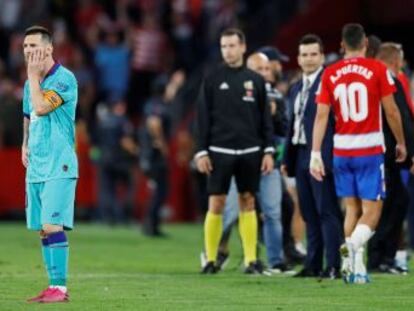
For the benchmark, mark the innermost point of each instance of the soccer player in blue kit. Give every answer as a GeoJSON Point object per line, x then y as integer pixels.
{"type": "Point", "coordinates": [48, 153]}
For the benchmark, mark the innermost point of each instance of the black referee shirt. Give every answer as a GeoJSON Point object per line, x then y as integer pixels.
{"type": "Point", "coordinates": [233, 112]}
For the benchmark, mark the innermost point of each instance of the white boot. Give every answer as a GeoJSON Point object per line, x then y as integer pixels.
{"type": "Point", "coordinates": [361, 275]}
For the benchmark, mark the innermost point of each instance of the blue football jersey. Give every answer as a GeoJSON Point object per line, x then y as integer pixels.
{"type": "Point", "coordinates": [52, 137]}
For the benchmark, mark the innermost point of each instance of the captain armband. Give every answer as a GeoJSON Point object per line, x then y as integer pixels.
{"type": "Point", "coordinates": [52, 98]}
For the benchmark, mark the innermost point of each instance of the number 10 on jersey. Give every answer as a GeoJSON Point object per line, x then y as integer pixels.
{"type": "Point", "coordinates": [353, 100]}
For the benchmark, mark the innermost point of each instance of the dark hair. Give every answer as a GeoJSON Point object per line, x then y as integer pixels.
{"type": "Point", "coordinates": [353, 36]}
{"type": "Point", "coordinates": [234, 32]}
{"type": "Point", "coordinates": [311, 38]}
{"type": "Point", "coordinates": [44, 32]}
{"type": "Point", "coordinates": [374, 44]}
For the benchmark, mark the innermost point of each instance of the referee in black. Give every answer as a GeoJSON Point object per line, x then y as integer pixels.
{"type": "Point", "coordinates": [234, 138]}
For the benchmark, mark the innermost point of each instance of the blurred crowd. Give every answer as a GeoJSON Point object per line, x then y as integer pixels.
{"type": "Point", "coordinates": [139, 64]}
{"type": "Point", "coordinates": [118, 49]}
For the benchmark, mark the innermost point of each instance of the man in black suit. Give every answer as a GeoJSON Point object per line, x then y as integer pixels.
{"type": "Point", "coordinates": [318, 200]}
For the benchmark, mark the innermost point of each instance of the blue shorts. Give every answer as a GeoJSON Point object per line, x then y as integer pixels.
{"type": "Point", "coordinates": [51, 202]}
{"type": "Point", "coordinates": [360, 177]}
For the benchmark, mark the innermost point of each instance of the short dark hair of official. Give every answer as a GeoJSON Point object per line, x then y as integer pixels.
{"type": "Point", "coordinates": [234, 32]}
{"type": "Point", "coordinates": [43, 31]}
{"type": "Point", "coordinates": [374, 44]}
{"type": "Point", "coordinates": [311, 38]}
{"type": "Point", "coordinates": [353, 36]}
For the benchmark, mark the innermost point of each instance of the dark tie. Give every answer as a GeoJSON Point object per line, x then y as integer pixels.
{"type": "Point", "coordinates": [301, 111]}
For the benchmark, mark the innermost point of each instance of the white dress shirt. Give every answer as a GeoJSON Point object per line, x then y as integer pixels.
{"type": "Point", "coordinates": [301, 99]}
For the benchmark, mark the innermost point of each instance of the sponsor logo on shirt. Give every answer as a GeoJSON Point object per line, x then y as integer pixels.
{"type": "Point", "coordinates": [224, 86]}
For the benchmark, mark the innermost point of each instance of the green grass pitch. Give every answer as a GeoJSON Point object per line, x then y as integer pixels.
{"type": "Point", "coordinates": [119, 269]}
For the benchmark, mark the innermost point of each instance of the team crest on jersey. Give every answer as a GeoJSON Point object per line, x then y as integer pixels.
{"type": "Point", "coordinates": [62, 87]}
{"type": "Point", "coordinates": [248, 86]}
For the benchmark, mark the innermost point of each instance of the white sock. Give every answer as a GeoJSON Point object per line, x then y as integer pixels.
{"type": "Point", "coordinates": [360, 236]}
{"type": "Point", "coordinates": [359, 262]}
{"type": "Point", "coordinates": [61, 288]}
{"type": "Point", "coordinates": [401, 255]}
{"type": "Point", "coordinates": [300, 248]}
{"type": "Point", "coordinates": [401, 259]}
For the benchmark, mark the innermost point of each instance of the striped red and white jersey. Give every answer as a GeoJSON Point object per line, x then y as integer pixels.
{"type": "Point", "coordinates": [354, 88]}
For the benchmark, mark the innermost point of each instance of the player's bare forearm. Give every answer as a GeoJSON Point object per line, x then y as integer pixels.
{"type": "Point", "coordinates": [393, 117]}
{"type": "Point", "coordinates": [26, 122]}
{"type": "Point", "coordinates": [25, 149]}
{"type": "Point", "coordinates": [319, 127]}
{"type": "Point", "coordinates": [39, 105]}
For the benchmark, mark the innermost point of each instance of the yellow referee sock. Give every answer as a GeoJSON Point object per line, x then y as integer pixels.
{"type": "Point", "coordinates": [248, 234]}
{"type": "Point", "coordinates": [213, 228]}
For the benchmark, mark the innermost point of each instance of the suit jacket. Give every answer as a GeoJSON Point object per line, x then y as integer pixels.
{"type": "Point", "coordinates": [290, 156]}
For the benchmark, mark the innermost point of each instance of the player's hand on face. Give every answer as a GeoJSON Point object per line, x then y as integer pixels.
{"type": "Point", "coordinates": [400, 153]}
{"type": "Point", "coordinates": [316, 167]}
{"type": "Point", "coordinates": [204, 165]}
{"type": "Point", "coordinates": [36, 62]}
{"type": "Point", "coordinates": [267, 164]}
{"type": "Point", "coordinates": [25, 156]}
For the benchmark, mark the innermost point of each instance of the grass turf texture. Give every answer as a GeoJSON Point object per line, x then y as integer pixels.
{"type": "Point", "coordinates": [119, 269]}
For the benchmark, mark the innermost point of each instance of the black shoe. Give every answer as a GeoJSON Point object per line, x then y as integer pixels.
{"type": "Point", "coordinates": [222, 260]}
{"type": "Point", "coordinates": [306, 273]}
{"type": "Point", "coordinates": [385, 268]}
{"type": "Point", "coordinates": [254, 267]}
{"type": "Point", "coordinates": [282, 268]}
{"type": "Point", "coordinates": [210, 268]}
{"type": "Point", "coordinates": [402, 270]}
{"type": "Point", "coordinates": [294, 257]}
{"type": "Point", "coordinates": [331, 273]}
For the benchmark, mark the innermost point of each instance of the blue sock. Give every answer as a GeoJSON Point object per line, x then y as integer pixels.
{"type": "Point", "coordinates": [59, 253]}
{"type": "Point", "coordinates": [46, 257]}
